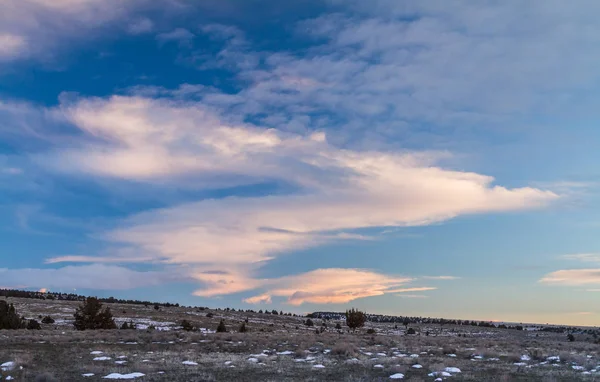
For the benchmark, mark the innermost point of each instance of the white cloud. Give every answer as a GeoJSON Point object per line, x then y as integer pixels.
{"type": "Point", "coordinates": [140, 26]}
{"type": "Point", "coordinates": [339, 190]}
{"type": "Point", "coordinates": [93, 276]}
{"type": "Point", "coordinates": [584, 257]}
{"type": "Point", "coordinates": [180, 35]}
{"type": "Point", "coordinates": [573, 277]}
{"type": "Point", "coordinates": [39, 28]}
{"type": "Point", "coordinates": [11, 46]}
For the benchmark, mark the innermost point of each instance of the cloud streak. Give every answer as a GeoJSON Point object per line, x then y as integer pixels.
{"type": "Point", "coordinates": [573, 277]}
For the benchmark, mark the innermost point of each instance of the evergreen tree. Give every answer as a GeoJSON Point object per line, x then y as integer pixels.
{"type": "Point", "coordinates": [91, 316]}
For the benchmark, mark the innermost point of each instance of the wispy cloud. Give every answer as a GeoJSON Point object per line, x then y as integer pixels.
{"type": "Point", "coordinates": [573, 277]}
{"type": "Point", "coordinates": [584, 257]}
{"type": "Point", "coordinates": [180, 35]}
{"type": "Point", "coordinates": [93, 276]}
{"type": "Point", "coordinates": [328, 286]}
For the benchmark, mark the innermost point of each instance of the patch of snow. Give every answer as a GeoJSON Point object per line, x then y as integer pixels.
{"type": "Point", "coordinates": [318, 367]}
{"type": "Point", "coordinates": [102, 359]}
{"type": "Point", "coordinates": [124, 376]}
{"type": "Point", "coordinates": [417, 366]}
{"type": "Point", "coordinates": [451, 355]}
{"type": "Point", "coordinates": [553, 358]}
{"type": "Point", "coordinates": [120, 362]}
{"type": "Point", "coordinates": [525, 357]}
{"type": "Point", "coordinates": [381, 355]}
{"type": "Point", "coordinates": [253, 360]}
{"type": "Point", "coordinates": [190, 363]}
{"type": "Point", "coordinates": [414, 356]}
{"type": "Point", "coordinates": [7, 366]}
{"type": "Point", "coordinates": [397, 376]}
{"type": "Point", "coordinates": [378, 366]}
{"type": "Point", "coordinates": [575, 367]}
{"type": "Point", "coordinates": [519, 364]}
{"type": "Point", "coordinates": [227, 363]}
{"type": "Point", "coordinates": [287, 352]}
{"type": "Point", "coordinates": [88, 375]}
{"type": "Point", "coordinates": [452, 370]}
{"type": "Point", "coordinates": [96, 352]}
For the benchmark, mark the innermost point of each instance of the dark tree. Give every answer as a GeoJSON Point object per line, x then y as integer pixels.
{"type": "Point", "coordinates": [309, 322]}
{"type": "Point", "coordinates": [338, 326]}
{"type": "Point", "coordinates": [243, 328]}
{"type": "Point", "coordinates": [221, 328]}
{"type": "Point", "coordinates": [570, 337]}
{"type": "Point", "coordinates": [91, 316]}
{"type": "Point", "coordinates": [355, 319]}
{"type": "Point", "coordinates": [9, 319]}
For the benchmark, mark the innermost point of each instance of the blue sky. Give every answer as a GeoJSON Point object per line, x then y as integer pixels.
{"type": "Point", "coordinates": [402, 157]}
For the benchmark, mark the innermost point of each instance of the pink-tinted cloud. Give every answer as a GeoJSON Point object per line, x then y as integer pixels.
{"type": "Point", "coordinates": [573, 277]}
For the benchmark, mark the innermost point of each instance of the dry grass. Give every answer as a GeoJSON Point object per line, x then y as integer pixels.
{"type": "Point", "coordinates": [64, 354]}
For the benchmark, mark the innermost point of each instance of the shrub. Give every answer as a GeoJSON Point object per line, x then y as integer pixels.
{"type": "Point", "coordinates": [187, 326]}
{"type": "Point", "coordinates": [222, 328]}
{"type": "Point", "coordinates": [309, 322]}
{"type": "Point", "coordinates": [91, 316]}
{"type": "Point", "coordinates": [210, 315]}
{"type": "Point", "coordinates": [9, 319]}
{"type": "Point", "coordinates": [243, 328]}
{"type": "Point", "coordinates": [571, 337]}
{"type": "Point", "coordinates": [355, 319]}
{"type": "Point", "coordinates": [48, 320]}
{"type": "Point", "coordinates": [370, 331]}
{"type": "Point", "coordinates": [338, 326]}
{"type": "Point", "coordinates": [45, 378]}
{"type": "Point", "coordinates": [156, 307]}
{"type": "Point", "coordinates": [411, 331]}
{"type": "Point", "coordinates": [33, 325]}
{"type": "Point", "coordinates": [128, 326]}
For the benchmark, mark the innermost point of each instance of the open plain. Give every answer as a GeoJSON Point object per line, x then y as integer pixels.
{"type": "Point", "coordinates": [280, 348]}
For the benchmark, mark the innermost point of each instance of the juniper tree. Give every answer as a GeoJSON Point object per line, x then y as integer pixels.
{"type": "Point", "coordinates": [91, 316]}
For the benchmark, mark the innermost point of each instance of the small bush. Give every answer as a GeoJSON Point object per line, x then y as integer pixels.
{"type": "Point", "coordinates": [210, 315]}
{"type": "Point", "coordinates": [411, 331]}
{"type": "Point", "coordinates": [33, 325]}
{"type": "Point", "coordinates": [187, 326]}
{"type": "Point", "coordinates": [45, 378]}
{"type": "Point", "coordinates": [338, 326]}
{"type": "Point", "coordinates": [309, 322]}
{"type": "Point", "coordinates": [48, 320]}
{"type": "Point", "coordinates": [243, 328]}
{"type": "Point", "coordinates": [371, 331]}
{"type": "Point", "coordinates": [571, 338]}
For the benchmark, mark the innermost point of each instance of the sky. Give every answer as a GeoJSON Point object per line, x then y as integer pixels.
{"type": "Point", "coordinates": [401, 157]}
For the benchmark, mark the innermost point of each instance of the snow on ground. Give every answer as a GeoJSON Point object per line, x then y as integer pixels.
{"type": "Point", "coordinates": [7, 366]}
{"type": "Point", "coordinates": [318, 366]}
{"type": "Point", "coordinates": [417, 366]}
{"type": "Point", "coordinates": [96, 352]}
{"type": "Point", "coordinates": [88, 375]}
{"type": "Point", "coordinates": [452, 370]}
{"type": "Point", "coordinates": [124, 376]}
{"type": "Point", "coordinates": [397, 376]}
{"type": "Point", "coordinates": [189, 363]}
{"type": "Point", "coordinates": [102, 359]}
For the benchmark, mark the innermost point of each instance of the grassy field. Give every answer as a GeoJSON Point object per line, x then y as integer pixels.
{"type": "Point", "coordinates": [280, 348]}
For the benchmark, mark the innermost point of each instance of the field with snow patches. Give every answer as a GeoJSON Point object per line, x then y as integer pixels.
{"type": "Point", "coordinates": [280, 348]}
